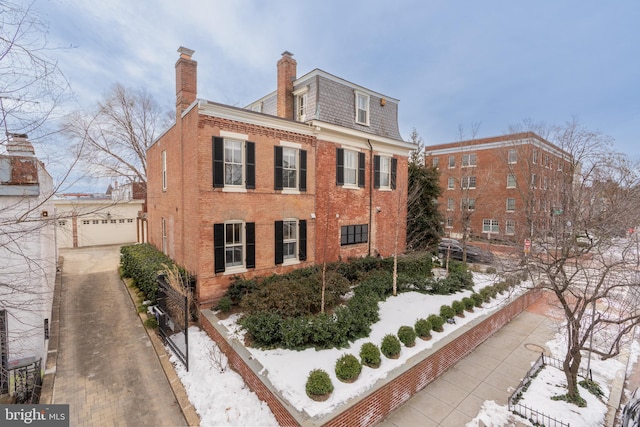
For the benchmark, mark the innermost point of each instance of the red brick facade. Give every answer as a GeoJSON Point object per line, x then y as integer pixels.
{"type": "Point", "coordinates": [186, 203]}
{"type": "Point", "coordinates": [501, 188]}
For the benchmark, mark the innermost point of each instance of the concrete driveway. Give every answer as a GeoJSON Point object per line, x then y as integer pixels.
{"type": "Point", "coordinates": [107, 370]}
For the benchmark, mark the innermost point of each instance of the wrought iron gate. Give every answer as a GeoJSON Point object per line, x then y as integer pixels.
{"type": "Point", "coordinates": [172, 313]}
{"type": "Point", "coordinates": [27, 382]}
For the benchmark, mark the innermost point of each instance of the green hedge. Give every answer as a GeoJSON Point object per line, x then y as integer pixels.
{"type": "Point", "coordinates": [142, 262]}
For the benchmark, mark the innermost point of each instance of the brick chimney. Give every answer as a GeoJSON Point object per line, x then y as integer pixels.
{"type": "Point", "coordinates": [286, 76]}
{"type": "Point", "coordinates": [186, 80]}
{"type": "Point", "coordinates": [18, 145]}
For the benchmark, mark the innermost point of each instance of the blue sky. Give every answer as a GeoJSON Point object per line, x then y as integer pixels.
{"type": "Point", "coordinates": [451, 64]}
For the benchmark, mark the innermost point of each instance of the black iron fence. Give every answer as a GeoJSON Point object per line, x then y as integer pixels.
{"type": "Point", "coordinates": [172, 314]}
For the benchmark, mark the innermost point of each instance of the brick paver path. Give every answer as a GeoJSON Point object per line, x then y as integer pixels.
{"type": "Point", "coordinates": [107, 369]}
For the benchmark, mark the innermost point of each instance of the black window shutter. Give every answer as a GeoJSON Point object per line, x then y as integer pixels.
{"type": "Point", "coordinates": [218, 248]}
{"type": "Point", "coordinates": [279, 239]}
{"type": "Point", "coordinates": [250, 237]}
{"type": "Point", "coordinates": [277, 170]}
{"type": "Point", "coordinates": [394, 169]}
{"type": "Point", "coordinates": [376, 171]}
{"type": "Point", "coordinates": [303, 170]}
{"type": "Point", "coordinates": [339, 166]}
{"type": "Point", "coordinates": [251, 164]}
{"type": "Point", "coordinates": [218, 162]}
{"type": "Point", "coordinates": [360, 169]}
{"type": "Point", "coordinates": [302, 225]}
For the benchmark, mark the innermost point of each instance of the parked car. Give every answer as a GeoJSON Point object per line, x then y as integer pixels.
{"type": "Point", "coordinates": [455, 250]}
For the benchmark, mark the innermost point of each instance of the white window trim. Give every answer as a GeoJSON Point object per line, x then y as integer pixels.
{"type": "Point", "coordinates": [506, 228]}
{"type": "Point", "coordinates": [235, 269]}
{"type": "Point", "coordinates": [242, 164]}
{"type": "Point", "coordinates": [164, 170]}
{"type": "Point", "coordinates": [294, 189]}
{"type": "Point", "coordinates": [388, 186]}
{"type": "Point", "coordinates": [346, 184]}
{"type": "Point", "coordinates": [301, 115]}
{"type": "Point", "coordinates": [469, 164]}
{"type": "Point", "coordinates": [449, 162]}
{"type": "Point", "coordinates": [233, 135]}
{"type": "Point", "coordinates": [509, 162]}
{"type": "Point", "coordinates": [453, 187]}
{"type": "Point", "coordinates": [514, 181]}
{"type": "Point", "coordinates": [164, 236]}
{"type": "Point", "coordinates": [490, 226]}
{"type": "Point", "coordinates": [507, 204]}
{"type": "Point", "coordinates": [296, 260]}
{"type": "Point", "coordinates": [368, 110]}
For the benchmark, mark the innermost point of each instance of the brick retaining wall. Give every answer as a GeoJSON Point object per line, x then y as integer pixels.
{"type": "Point", "coordinates": [382, 400]}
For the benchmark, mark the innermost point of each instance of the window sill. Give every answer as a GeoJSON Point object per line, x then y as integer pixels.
{"type": "Point", "coordinates": [350, 187]}
{"type": "Point", "coordinates": [234, 190]}
{"type": "Point", "coordinates": [234, 270]}
{"type": "Point", "coordinates": [287, 262]}
{"type": "Point", "coordinates": [290, 191]}
{"type": "Point", "coordinates": [384, 189]}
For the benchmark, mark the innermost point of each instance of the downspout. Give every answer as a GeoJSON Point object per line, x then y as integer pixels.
{"type": "Point", "coordinates": [370, 195]}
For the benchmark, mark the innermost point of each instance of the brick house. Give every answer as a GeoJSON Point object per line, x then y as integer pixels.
{"type": "Point", "coordinates": [315, 171]}
{"type": "Point", "coordinates": [503, 188]}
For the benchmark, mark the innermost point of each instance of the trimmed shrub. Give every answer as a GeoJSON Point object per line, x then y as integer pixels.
{"type": "Point", "coordinates": [264, 328]}
{"type": "Point", "coordinates": [294, 332]}
{"type": "Point", "coordinates": [318, 383]}
{"type": "Point", "coordinates": [437, 322]}
{"type": "Point", "coordinates": [477, 298]}
{"type": "Point", "coordinates": [469, 303]}
{"type": "Point", "coordinates": [224, 305]}
{"type": "Point", "coordinates": [458, 307]}
{"type": "Point", "coordinates": [348, 368]}
{"type": "Point", "coordinates": [446, 312]}
{"type": "Point", "coordinates": [407, 335]}
{"type": "Point", "coordinates": [370, 355]}
{"type": "Point", "coordinates": [323, 331]}
{"type": "Point", "coordinates": [423, 328]}
{"type": "Point", "coordinates": [390, 346]}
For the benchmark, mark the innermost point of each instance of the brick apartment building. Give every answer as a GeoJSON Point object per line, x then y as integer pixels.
{"type": "Point", "coordinates": [316, 170]}
{"type": "Point", "coordinates": [505, 188]}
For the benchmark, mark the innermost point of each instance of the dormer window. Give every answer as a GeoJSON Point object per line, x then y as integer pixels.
{"type": "Point", "coordinates": [362, 108]}
{"type": "Point", "coordinates": [300, 97]}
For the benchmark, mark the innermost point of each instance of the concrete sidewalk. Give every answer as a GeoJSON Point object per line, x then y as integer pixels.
{"type": "Point", "coordinates": [491, 372]}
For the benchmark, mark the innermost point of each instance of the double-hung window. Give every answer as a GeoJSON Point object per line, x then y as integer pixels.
{"type": "Point", "coordinates": [349, 168]}
{"type": "Point", "coordinates": [469, 160]}
{"type": "Point", "coordinates": [511, 205]}
{"type": "Point", "coordinates": [468, 204]}
{"type": "Point", "coordinates": [385, 169]}
{"type": "Point", "coordinates": [234, 163]}
{"type": "Point", "coordinates": [450, 204]}
{"type": "Point", "coordinates": [234, 246]}
{"type": "Point", "coordinates": [468, 182]}
{"type": "Point", "coordinates": [510, 227]}
{"type": "Point", "coordinates": [435, 162]}
{"type": "Point", "coordinates": [290, 168]}
{"type": "Point", "coordinates": [451, 183]}
{"type": "Point", "coordinates": [164, 170]}
{"type": "Point", "coordinates": [290, 241]}
{"type": "Point", "coordinates": [452, 162]}
{"type": "Point", "coordinates": [362, 108]}
{"type": "Point", "coordinates": [511, 181]}
{"type": "Point", "coordinates": [490, 226]}
{"type": "Point", "coordinates": [512, 156]}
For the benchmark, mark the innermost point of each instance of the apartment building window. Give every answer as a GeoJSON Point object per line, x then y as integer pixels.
{"type": "Point", "coordinates": [234, 246]}
{"type": "Point", "coordinates": [290, 169]}
{"type": "Point", "coordinates": [535, 157]}
{"type": "Point", "coordinates": [164, 171]}
{"type": "Point", "coordinates": [452, 162]}
{"type": "Point", "coordinates": [468, 204]}
{"type": "Point", "coordinates": [451, 183]}
{"type": "Point", "coordinates": [450, 204]}
{"type": "Point", "coordinates": [512, 156]}
{"type": "Point", "coordinates": [534, 180]}
{"type": "Point", "coordinates": [511, 205]}
{"type": "Point", "coordinates": [234, 163]}
{"type": "Point", "coordinates": [510, 227]}
{"type": "Point", "coordinates": [349, 168]}
{"type": "Point", "coordinates": [490, 226]}
{"type": "Point", "coordinates": [435, 162]}
{"type": "Point", "coordinates": [545, 182]}
{"type": "Point", "coordinates": [511, 181]}
{"type": "Point", "coordinates": [469, 160]}
{"type": "Point", "coordinates": [449, 223]}
{"type": "Point", "coordinates": [468, 182]}
{"type": "Point", "coordinates": [362, 108]}
{"type": "Point", "coordinates": [385, 169]}
{"type": "Point", "coordinates": [354, 234]}
{"type": "Point", "coordinates": [290, 241]}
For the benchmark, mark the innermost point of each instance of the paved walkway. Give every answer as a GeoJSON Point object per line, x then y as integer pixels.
{"type": "Point", "coordinates": [107, 370]}
{"type": "Point", "coordinates": [491, 372]}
